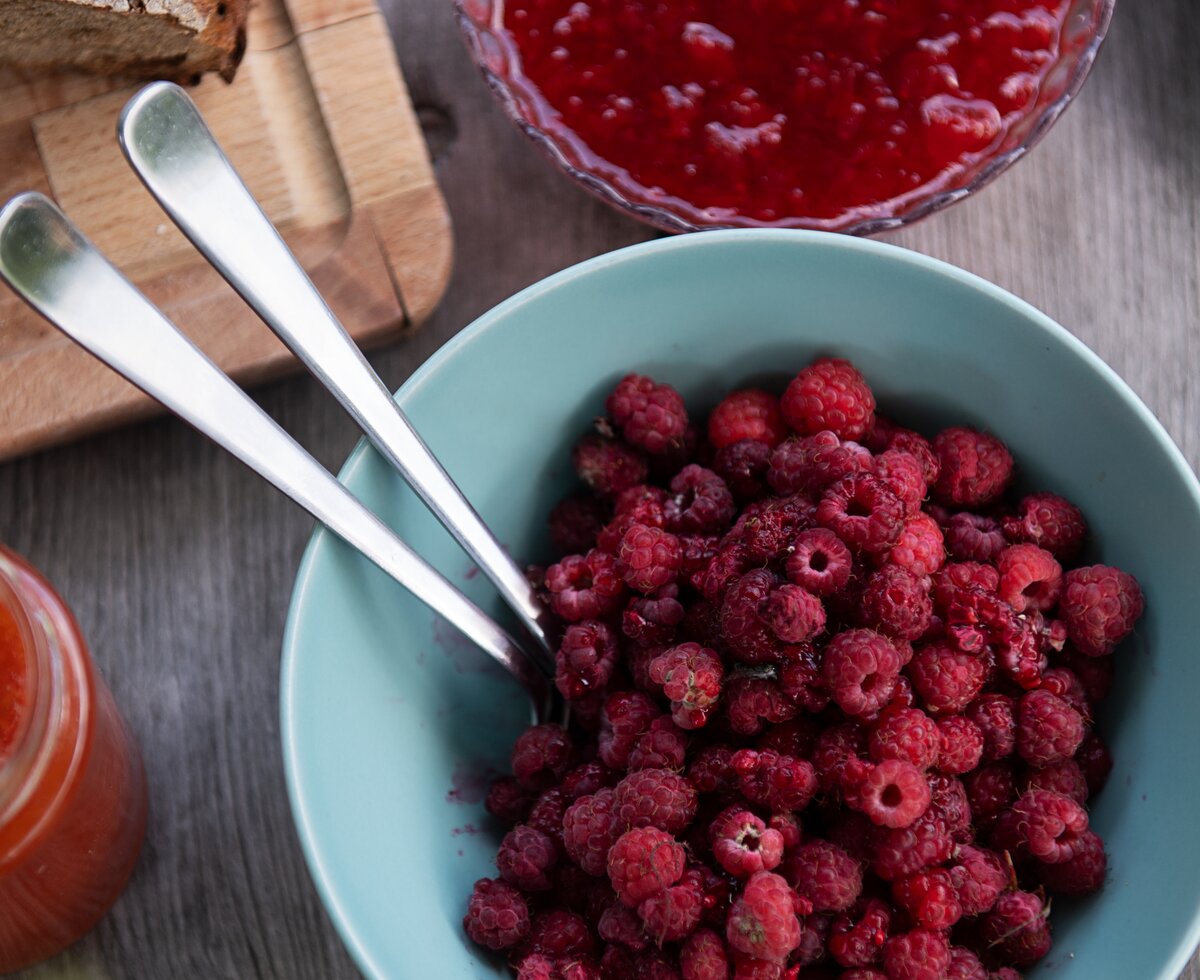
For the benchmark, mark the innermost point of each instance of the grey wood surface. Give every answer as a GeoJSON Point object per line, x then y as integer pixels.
{"type": "Point", "coordinates": [179, 563]}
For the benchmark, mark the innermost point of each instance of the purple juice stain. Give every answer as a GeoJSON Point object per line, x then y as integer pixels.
{"type": "Point", "coordinates": [469, 783]}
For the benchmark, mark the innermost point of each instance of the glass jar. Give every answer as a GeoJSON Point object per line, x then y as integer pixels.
{"type": "Point", "coordinates": [72, 787]}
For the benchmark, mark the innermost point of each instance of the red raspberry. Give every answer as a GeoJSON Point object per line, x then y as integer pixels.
{"type": "Point", "coordinates": [700, 502]}
{"type": "Point", "coordinates": [654, 798]}
{"type": "Point", "coordinates": [794, 614]}
{"type": "Point", "coordinates": [743, 467]}
{"type": "Point", "coordinates": [674, 912]}
{"type": "Point", "coordinates": [771, 779]}
{"type": "Point", "coordinates": [1095, 761]}
{"type": "Point", "coordinates": [585, 586]}
{"type": "Point", "coordinates": [1065, 683]}
{"type": "Point", "coordinates": [974, 538]}
{"type": "Point", "coordinates": [762, 922]}
{"type": "Point", "coordinates": [497, 915]}
{"type": "Point", "coordinates": [651, 416]}
{"type": "Point", "coordinates": [751, 701]}
{"type": "Point", "coordinates": [608, 466]}
{"type": "Point", "coordinates": [990, 789]}
{"type": "Point", "coordinates": [811, 463]}
{"type": "Point", "coordinates": [1081, 874]}
{"type": "Point", "coordinates": [820, 562]}
{"type": "Point", "coordinates": [585, 659]}
{"type": "Point", "coordinates": [1050, 522]}
{"type": "Point", "coordinates": [1064, 777]}
{"type": "Point", "coordinates": [907, 734]}
{"type": "Point", "coordinates": [788, 826]}
{"type": "Point", "coordinates": [882, 429]}
{"type": "Point", "coordinates": [976, 468]}
{"type": "Point", "coordinates": [653, 620]}
{"type": "Point", "coordinates": [541, 756]}
{"type": "Point", "coordinates": [525, 859]}
{"type": "Point", "coordinates": [802, 681]}
{"type": "Point", "coordinates": [575, 522]}
{"type": "Point", "coordinates": [1048, 729]}
{"type": "Point", "coordinates": [768, 533]}
{"type": "Point", "coordinates": [829, 394]}
{"type": "Point", "coordinates": [946, 679]}
{"type": "Point", "coordinates": [1043, 825]}
{"type": "Point", "coordinates": [649, 558]}
{"type": "Point", "coordinates": [814, 937]}
{"type": "Point", "coordinates": [859, 943]}
{"type": "Point", "coordinates": [977, 621]}
{"type": "Point", "coordinates": [1016, 929]}
{"type": "Point", "coordinates": [961, 748]}
{"type": "Point", "coordinates": [663, 747]}
{"type": "Point", "coordinates": [643, 862]}
{"type": "Point", "coordinates": [748, 414]}
{"type": "Point", "coordinates": [749, 637]}
{"type": "Point", "coordinates": [1004, 973]}
{"type": "Point", "coordinates": [903, 474]}
{"type": "Point", "coordinates": [703, 957]}
{"type": "Point", "coordinates": [996, 716]}
{"type": "Point", "coordinates": [956, 576]}
{"type": "Point", "coordinates": [917, 955]}
{"type": "Point", "coordinates": [622, 925]}
{"type": "Point", "coordinates": [920, 548]}
{"type": "Point", "coordinates": [893, 794]}
{"type": "Point", "coordinates": [711, 769]}
{"type": "Point", "coordinates": [508, 801]}
{"type": "Point", "coordinates": [559, 934]}
{"type": "Point", "coordinates": [979, 877]}
{"type": "Point", "coordinates": [836, 746]}
{"type": "Point", "coordinates": [588, 777]}
{"type": "Point", "coordinates": [965, 965]}
{"type": "Point", "coordinates": [1030, 578]}
{"type": "Point", "coordinates": [948, 802]}
{"type": "Point", "coordinates": [698, 552]}
{"type": "Point", "coordinates": [896, 603]}
{"type": "Point", "coordinates": [648, 510]}
{"type": "Point", "coordinates": [825, 875]}
{"type": "Point", "coordinates": [1100, 606]}
{"type": "Point", "coordinates": [862, 512]}
{"type": "Point", "coordinates": [645, 503]}
{"type": "Point", "coordinates": [860, 669]}
{"type": "Point", "coordinates": [903, 851]}
{"type": "Point", "coordinates": [726, 568]}
{"type": "Point", "coordinates": [691, 677]}
{"type": "Point", "coordinates": [743, 845]}
{"type": "Point", "coordinates": [929, 898]}
{"type": "Point", "coordinates": [917, 445]}
{"type": "Point", "coordinates": [547, 814]}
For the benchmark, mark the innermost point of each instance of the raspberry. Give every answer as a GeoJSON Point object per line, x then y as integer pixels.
{"type": "Point", "coordinates": [972, 537]}
{"type": "Point", "coordinates": [751, 701]}
{"type": "Point", "coordinates": [920, 548]}
{"type": "Point", "coordinates": [541, 756]}
{"type": "Point", "coordinates": [653, 620]}
{"type": "Point", "coordinates": [814, 936]}
{"type": "Point", "coordinates": [726, 568]}
{"type": "Point", "coordinates": [948, 802]}
{"type": "Point", "coordinates": [1095, 761]}
{"type": "Point", "coordinates": [711, 769]}
{"type": "Point", "coordinates": [1100, 606]}
{"type": "Point", "coordinates": [525, 859]}
{"type": "Point", "coordinates": [649, 558]}
{"type": "Point", "coordinates": [788, 825]}
{"type": "Point", "coordinates": [620, 924]}
{"type": "Point", "coordinates": [771, 779]}
{"type": "Point", "coordinates": [1081, 874]}
{"type": "Point", "coordinates": [1064, 777]}
{"type": "Point", "coordinates": [547, 814]}
{"type": "Point", "coordinates": [979, 877]}
{"type": "Point", "coordinates": [917, 955]}
{"type": "Point", "coordinates": [829, 394]}
{"type": "Point", "coordinates": [743, 845]}
{"type": "Point", "coordinates": [768, 534]}
{"type": "Point", "coordinates": [859, 943]}
{"type": "Point", "coordinates": [654, 798]}
{"type": "Point", "coordinates": [819, 562]}
{"type": "Point", "coordinates": [749, 637]}
{"type": "Point", "coordinates": [962, 575]}
{"type": "Point", "coordinates": [588, 777]}
{"type": "Point", "coordinates": [497, 916]}
{"type": "Point", "coordinates": [961, 747]}
{"type": "Point", "coordinates": [691, 676]}
{"type": "Point", "coordinates": [559, 933]}
{"type": "Point", "coordinates": [585, 586]}
{"type": "Point", "coordinates": [860, 670]}
{"type": "Point", "coordinates": [810, 464]}
{"type": "Point", "coordinates": [585, 659]}
{"type": "Point", "coordinates": [903, 851]}
{"type": "Point", "coordinates": [929, 898]}
{"type": "Point", "coordinates": [917, 445]}
{"type": "Point", "coordinates": [882, 429]}
{"type": "Point", "coordinates": [608, 466]}
{"type": "Point", "coordinates": [965, 965]}
{"type": "Point", "coordinates": [1065, 683]}
{"type": "Point", "coordinates": [1043, 825]}
{"type": "Point", "coordinates": [862, 512]}
{"type": "Point", "coordinates": [748, 414]}
{"type": "Point", "coordinates": [903, 474]}
{"type": "Point", "coordinates": [574, 523]}
{"type": "Point", "coordinates": [895, 603]}
{"type": "Point", "coordinates": [907, 734]}
{"type": "Point", "coordinates": [977, 621]}
{"type": "Point", "coordinates": [1016, 929]}
{"type": "Point", "coordinates": [836, 746]}
{"type": "Point", "coordinates": [946, 680]}
{"type": "Point", "coordinates": [976, 468]}
{"type": "Point", "coordinates": [626, 717]}
{"type": "Point", "coordinates": [674, 912]}
{"type": "Point", "coordinates": [996, 717]}
{"type": "Point", "coordinates": [1030, 578]}
{"type": "Point", "coordinates": [762, 922]}
{"type": "Point", "coordinates": [700, 502]}
{"type": "Point", "coordinates": [643, 862]}
{"type": "Point", "coordinates": [893, 794]}
{"type": "Point", "coordinates": [825, 875]}
{"type": "Point", "coordinates": [1050, 522]}
{"type": "Point", "coordinates": [663, 747]}
{"type": "Point", "coordinates": [1048, 729]}
{"type": "Point", "coordinates": [794, 614]}
{"type": "Point", "coordinates": [508, 800]}
{"type": "Point", "coordinates": [698, 551]}
{"type": "Point", "coordinates": [743, 467]}
{"type": "Point", "coordinates": [801, 680]}
{"type": "Point", "coordinates": [644, 503]}
{"type": "Point", "coordinates": [703, 957]}
{"type": "Point", "coordinates": [990, 789]}
{"type": "Point", "coordinates": [651, 416]}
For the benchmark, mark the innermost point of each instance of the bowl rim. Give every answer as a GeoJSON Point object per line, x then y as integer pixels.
{"type": "Point", "coordinates": [300, 804]}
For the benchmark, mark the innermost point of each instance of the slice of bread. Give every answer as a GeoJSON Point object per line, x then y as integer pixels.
{"type": "Point", "coordinates": [177, 39]}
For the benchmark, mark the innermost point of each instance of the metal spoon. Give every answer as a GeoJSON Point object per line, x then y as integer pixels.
{"type": "Point", "coordinates": [171, 149]}
{"type": "Point", "coordinates": [51, 265]}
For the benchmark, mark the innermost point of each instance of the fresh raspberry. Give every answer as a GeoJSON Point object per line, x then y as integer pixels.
{"type": "Point", "coordinates": [961, 748]}
{"type": "Point", "coordinates": [903, 851]}
{"type": "Point", "coordinates": [1050, 522]}
{"type": "Point", "coordinates": [962, 575]}
{"type": "Point", "coordinates": [859, 942]}
{"type": "Point", "coordinates": [1081, 874]}
{"type": "Point", "coordinates": [929, 898]}
{"type": "Point", "coordinates": [586, 778]}
{"type": "Point", "coordinates": [767, 535]}
{"type": "Point", "coordinates": [748, 414]}
{"type": "Point", "coordinates": [811, 463]}
{"type": "Point", "coordinates": [965, 965]}
{"type": "Point", "coordinates": [829, 394]}
{"type": "Point", "coordinates": [862, 973]}
{"type": "Point", "coordinates": [697, 553]}
{"type": "Point", "coordinates": [508, 801]}
{"type": "Point", "coordinates": [979, 877]}
{"type": "Point", "coordinates": [789, 828]}
{"type": "Point", "coordinates": [907, 734]}
{"type": "Point", "coordinates": [762, 922]}
{"type": "Point", "coordinates": [1065, 683]}
{"type": "Point", "coordinates": [653, 620]}
{"type": "Point", "coordinates": [541, 756]}
{"type": "Point", "coordinates": [654, 798]}
{"type": "Point", "coordinates": [1043, 825]}
{"type": "Point", "coordinates": [537, 966]}
{"type": "Point", "coordinates": [711, 769]}
{"type": "Point", "coordinates": [664, 746]}
{"type": "Point", "coordinates": [649, 415]}
{"type": "Point", "coordinates": [948, 802]}
{"type": "Point", "coordinates": [649, 558]}
{"type": "Point", "coordinates": [904, 696]}
{"type": "Point", "coordinates": [974, 538]}
{"type": "Point", "coordinates": [643, 862]}
{"type": "Point", "coordinates": [750, 638]}
{"type": "Point", "coordinates": [825, 875]}
{"type": "Point", "coordinates": [990, 789]}
{"type": "Point", "coordinates": [700, 502]}
{"type": "Point", "coordinates": [1030, 578]}
{"type": "Point", "coordinates": [895, 602]}
{"type": "Point", "coordinates": [703, 957]}
{"type": "Point", "coordinates": [917, 955]}
{"type": "Point", "coordinates": [646, 504]}
{"type": "Point", "coordinates": [743, 844]}
{"type": "Point", "coordinates": [903, 474]}
{"type": "Point", "coordinates": [976, 468]}
{"type": "Point", "coordinates": [1065, 777]}
{"type": "Point", "coordinates": [752, 701]}
{"type": "Point", "coordinates": [585, 586]}
{"type": "Point", "coordinates": [1016, 929]}
{"type": "Point", "coordinates": [893, 793]}
{"type": "Point", "coordinates": [793, 613]}
{"type": "Point", "coordinates": [977, 621]}
{"type": "Point", "coordinates": [1100, 606]}
{"type": "Point", "coordinates": [743, 467]}
{"type": "Point", "coordinates": [917, 445]}
{"type": "Point", "coordinates": [559, 933]}
{"type": "Point", "coordinates": [626, 717]}
{"type": "Point", "coordinates": [574, 523]}
{"type": "Point", "coordinates": [608, 466]}
{"type": "Point", "coordinates": [547, 812]}
{"type": "Point", "coordinates": [674, 912]}
{"type": "Point", "coordinates": [946, 679]}
{"type": "Point", "coordinates": [814, 937]}
{"type": "Point", "coordinates": [1095, 761]}
{"type": "Point", "coordinates": [802, 681]}
{"type": "Point", "coordinates": [771, 779]}
{"type": "Point", "coordinates": [497, 915]}
{"type": "Point", "coordinates": [691, 677]}
{"type": "Point", "coordinates": [725, 568]}
{"type": "Point", "coordinates": [585, 659]}
{"type": "Point", "coordinates": [836, 746]}
{"type": "Point", "coordinates": [621, 925]}
{"type": "Point", "coordinates": [920, 548]}
{"type": "Point", "coordinates": [692, 448]}
{"type": "Point", "coordinates": [525, 859]}
{"type": "Point", "coordinates": [1048, 729]}
{"type": "Point", "coordinates": [820, 562]}
{"type": "Point", "coordinates": [860, 669]}
{"type": "Point", "coordinates": [862, 512]}
{"type": "Point", "coordinates": [996, 717]}
{"type": "Point", "coordinates": [882, 429]}
{"type": "Point", "coordinates": [589, 830]}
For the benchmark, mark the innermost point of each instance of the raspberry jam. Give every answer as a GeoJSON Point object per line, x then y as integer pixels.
{"type": "Point", "coordinates": [823, 113]}
{"type": "Point", "coordinates": [72, 789]}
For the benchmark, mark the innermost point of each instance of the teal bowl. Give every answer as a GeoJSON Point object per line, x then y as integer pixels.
{"type": "Point", "coordinates": [392, 724]}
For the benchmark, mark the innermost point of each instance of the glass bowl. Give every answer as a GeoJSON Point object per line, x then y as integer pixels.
{"type": "Point", "coordinates": [499, 60]}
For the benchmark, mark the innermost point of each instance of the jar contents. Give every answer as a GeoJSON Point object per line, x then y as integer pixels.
{"type": "Point", "coordinates": [12, 681]}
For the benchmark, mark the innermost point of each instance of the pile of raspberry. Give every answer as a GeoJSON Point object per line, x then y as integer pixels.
{"type": "Point", "coordinates": [831, 686]}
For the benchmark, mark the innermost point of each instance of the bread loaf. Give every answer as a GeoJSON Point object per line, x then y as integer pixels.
{"type": "Point", "coordinates": [177, 39]}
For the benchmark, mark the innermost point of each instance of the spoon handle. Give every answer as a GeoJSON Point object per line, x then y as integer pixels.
{"type": "Point", "coordinates": [49, 262]}
{"type": "Point", "coordinates": [172, 150]}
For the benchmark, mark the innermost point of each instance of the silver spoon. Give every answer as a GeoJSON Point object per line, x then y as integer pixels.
{"type": "Point", "coordinates": [51, 265]}
{"type": "Point", "coordinates": [171, 149]}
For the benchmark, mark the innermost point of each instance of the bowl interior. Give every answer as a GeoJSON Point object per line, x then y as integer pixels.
{"type": "Point", "coordinates": [391, 723]}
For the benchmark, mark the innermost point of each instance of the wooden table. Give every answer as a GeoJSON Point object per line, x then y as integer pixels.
{"type": "Point", "coordinates": [179, 563]}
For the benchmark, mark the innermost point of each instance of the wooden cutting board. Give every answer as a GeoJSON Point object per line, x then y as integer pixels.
{"type": "Point", "coordinates": [318, 122]}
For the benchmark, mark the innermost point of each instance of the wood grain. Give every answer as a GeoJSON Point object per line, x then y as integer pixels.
{"type": "Point", "coordinates": [180, 564]}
